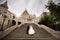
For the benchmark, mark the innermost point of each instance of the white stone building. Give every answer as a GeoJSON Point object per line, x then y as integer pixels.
{"type": "Point", "coordinates": [27, 18]}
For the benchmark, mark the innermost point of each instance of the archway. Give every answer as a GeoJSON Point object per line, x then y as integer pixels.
{"type": "Point", "coordinates": [19, 23]}
{"type": "Point", "coordinates": [13, 22]}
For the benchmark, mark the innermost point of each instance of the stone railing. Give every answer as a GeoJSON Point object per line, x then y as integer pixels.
{"type": "Point", "coordinates": [51, 31]}
{"type": "Point", "coordinates": [20, 25]}
{"type": "Point", "coordinates": [7, 31]}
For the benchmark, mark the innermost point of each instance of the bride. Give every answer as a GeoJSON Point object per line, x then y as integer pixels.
{"type": "Point", "coordinates": [30, 30]}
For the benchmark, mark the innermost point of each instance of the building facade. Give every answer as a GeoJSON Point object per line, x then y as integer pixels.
{"type": "Point", "coordinates": [6, 16]}
{"type": "Point", "coordinates": [27, 18]}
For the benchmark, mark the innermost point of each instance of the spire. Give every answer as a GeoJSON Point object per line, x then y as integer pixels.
{"type": "Point", "coordinates": [4, 5]}
{"type": "Point", "coordinates": [25, 12]}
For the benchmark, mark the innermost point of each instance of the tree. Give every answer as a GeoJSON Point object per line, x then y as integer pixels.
{"type": "Point", "coordinates": [55, 12]}
{"type": "Point", "coordinates": [54, 9]}
{"type": "Point", "coordinates": [48, 21]}
{"type": "Point", "coordinates": [51, 7]}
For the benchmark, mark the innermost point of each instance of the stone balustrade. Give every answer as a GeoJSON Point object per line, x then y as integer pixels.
{"type": "Point", "coordinates": [7, 31]}
{"type": "Point", "coordinates": [51, 31]}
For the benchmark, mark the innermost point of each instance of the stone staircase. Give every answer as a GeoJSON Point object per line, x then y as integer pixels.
{"type": "Point", "coordinates": [20, 34]}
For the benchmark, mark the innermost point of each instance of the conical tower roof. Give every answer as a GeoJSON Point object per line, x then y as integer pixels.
{"type": "Point", "coordinates": [25, 12]}
{"type": "Point", "coordinates": [4, 5]}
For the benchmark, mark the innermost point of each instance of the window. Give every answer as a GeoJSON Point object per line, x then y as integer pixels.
{"type": "Point", "coordinates": [19, 23]}
{"type": "Point", "coordinates": [5, 12]}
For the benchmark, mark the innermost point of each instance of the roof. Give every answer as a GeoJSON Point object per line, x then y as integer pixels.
{"type": "Point", "coordinates": [25, 12]}
{"type": "Point", "coordinates": [4, 5]}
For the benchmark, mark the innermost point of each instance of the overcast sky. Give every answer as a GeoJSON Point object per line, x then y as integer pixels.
{"type": "Point", "coordinates": [32, 6]}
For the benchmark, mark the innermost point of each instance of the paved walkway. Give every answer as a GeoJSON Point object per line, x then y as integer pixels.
{"type": "Point", "coordinates": [20, 34]}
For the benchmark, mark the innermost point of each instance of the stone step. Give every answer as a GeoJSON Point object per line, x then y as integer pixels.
{"type": "Point", "coordinates": [26, 35]}
{"type": "Point", "coordinates": [30, 39]}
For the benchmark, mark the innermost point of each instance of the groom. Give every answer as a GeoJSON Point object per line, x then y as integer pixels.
{"type": "Point", "coordinates": [27, 29]}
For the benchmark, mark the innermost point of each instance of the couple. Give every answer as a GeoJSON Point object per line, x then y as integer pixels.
{"type": "Point", "coordinates": [30, 30]}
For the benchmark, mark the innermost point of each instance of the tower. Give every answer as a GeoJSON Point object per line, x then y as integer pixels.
{"type": "Point", "coordinates": [25, 13]}
{"type": "Point", "coordinates": [4, 5]}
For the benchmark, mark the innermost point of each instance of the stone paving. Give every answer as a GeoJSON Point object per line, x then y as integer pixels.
{"type": "Point", "coordinates": [20, 34]}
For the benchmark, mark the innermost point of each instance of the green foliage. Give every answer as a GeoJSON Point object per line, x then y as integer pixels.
{"type": "Point", "coordinates": [55, 12]}
{"type": "Point", "coordinates": [48, 21]}
{"type": "Point", "coordinates": [51, 6]}
{"type": "Point", "coordinates": [52, 19]}
{"type": "Point", "coordinates": [54, 9]}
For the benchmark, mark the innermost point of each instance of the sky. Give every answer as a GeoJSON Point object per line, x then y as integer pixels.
{"type": "Point", "coordinates": [34, 7]}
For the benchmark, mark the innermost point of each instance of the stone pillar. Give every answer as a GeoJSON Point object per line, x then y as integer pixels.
{"type": "Point", "coordinates": [1, 21]}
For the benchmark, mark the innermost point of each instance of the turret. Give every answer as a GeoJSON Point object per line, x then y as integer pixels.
{"type": "Point", "coordinates": [4, 5]}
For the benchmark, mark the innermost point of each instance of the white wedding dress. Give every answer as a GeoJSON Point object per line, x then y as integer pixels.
{"type": "Point", "coordinates": [31, 30]}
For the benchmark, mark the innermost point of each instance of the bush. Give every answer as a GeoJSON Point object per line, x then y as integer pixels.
{"type": "Point", "coordinates": [57, 26]}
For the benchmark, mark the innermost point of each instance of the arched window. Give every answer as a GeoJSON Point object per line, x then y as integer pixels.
{"type": "Point", "coordinates": [13, 22]}
{"type": "Point", "coordinates": [13, 17]}
{"type": "Point", "coordinates": [19, 23]}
